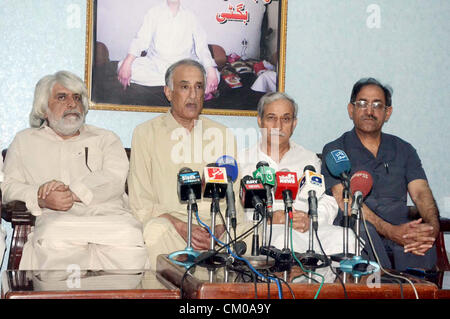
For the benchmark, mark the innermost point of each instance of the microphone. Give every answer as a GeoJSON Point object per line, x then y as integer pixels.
{"type": "Point", "coordinates": [286, 187]}
{"type": "Point", "coordinates": [231, 167]}
{"type": "Point", "coordinates": [214, 181]}
{"type": "Point", "coordinates": [266, 175]}
{"type": "Point", "coordinates": [189, 185]}
{"type": "Point", "coordinates": [311, 188]}
{"type": "Point", "coordinates": [189, 188]}
{"type": "Point", "coordinates": [360, 184]}
{"type": "Point", "coordinates": [252, 193]}
{"type": "Point", "coordinates": [310, 181]}
{"type": "Point", "coordinates": [338, 164]}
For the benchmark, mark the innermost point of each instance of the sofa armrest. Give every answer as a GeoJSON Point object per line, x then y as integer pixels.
{"type": "Point", "coordinates": [16, 213]}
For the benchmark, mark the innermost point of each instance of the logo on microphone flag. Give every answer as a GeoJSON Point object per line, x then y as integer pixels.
{"type": "Point", "coordinates": [315, 178]}
{"type": "Point", "coordinates": [287, 179]}
{"type": "Point", "coordinates": [339, 156]}
{"type": "Point", "coordinates": [216, 175]}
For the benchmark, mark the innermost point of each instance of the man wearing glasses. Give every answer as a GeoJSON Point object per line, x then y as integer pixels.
{"type": "Point", "coordinates": [277, 119]}
{"type": "Point", "coordinates": [396, 170]}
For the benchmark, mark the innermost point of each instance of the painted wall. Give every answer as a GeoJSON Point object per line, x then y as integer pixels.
{"type": "Point", "coordinates": [330, 45]}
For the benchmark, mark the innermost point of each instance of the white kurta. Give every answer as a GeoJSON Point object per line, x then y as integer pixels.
{"type": "Point", "coordinates": [295, 160]}
{"type": "Point", "coordinates": [156, 159]}
{"type": "Point", "coordinates": [167, 39]}
{"type": "Point", "coordinates": [97, 233]}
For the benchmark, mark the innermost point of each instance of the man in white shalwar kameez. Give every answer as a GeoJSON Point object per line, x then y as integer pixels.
{"type": "Point", "coordinates": [277, 119]}
{"type": "Point", "coordinates": [72, 176]}
{"type": "Point", "coordinates": [169, 33]}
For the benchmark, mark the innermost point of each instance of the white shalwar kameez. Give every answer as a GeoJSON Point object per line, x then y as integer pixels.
{"type": "Point", "coordinates": [331, 236]}
{"type": "Point", "coordinates": [167, 39]}
{"type": "Point", "coordinates": [97, 233]}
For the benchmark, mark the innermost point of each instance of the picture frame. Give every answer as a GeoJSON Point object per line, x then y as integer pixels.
{"type": "Point", "coordinates": [245, 38]}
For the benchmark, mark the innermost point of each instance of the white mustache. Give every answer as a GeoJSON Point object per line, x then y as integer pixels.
{"type": "Point", "coordinates": [66, 113]}
{"type": "Point", "coordinates": [275, 132]}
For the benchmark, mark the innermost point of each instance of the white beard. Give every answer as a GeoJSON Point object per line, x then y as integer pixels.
{"type": "Point", "coordinates": [67, 125]}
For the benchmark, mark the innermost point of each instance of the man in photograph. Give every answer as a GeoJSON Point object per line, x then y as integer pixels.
{"type": "Point", "coordinates": [169, 33]}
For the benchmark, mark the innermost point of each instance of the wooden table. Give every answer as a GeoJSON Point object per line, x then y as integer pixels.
{"type": "Point", "coordinates": [143, 284]}
{"type": "Point", "coordinates": [443, 283]}
{"type": "Point", "coordinates": [199, 286]}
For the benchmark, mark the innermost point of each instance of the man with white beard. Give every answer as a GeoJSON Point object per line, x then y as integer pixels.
{"type": "Point", "coordinates": [277, 119]}
{"type": "Point", "coordinates": [72, 176]}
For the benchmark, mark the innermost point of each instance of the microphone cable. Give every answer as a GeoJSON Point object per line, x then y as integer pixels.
{"type": "Point", "coordinates": [245, 234]}
{"type": "Point", "coordinates": [277, 280]}
{"type": "Point", "coordinates": [331, 267]}
{"type": "Point", "coordinates": [255, 278]}
{"type": "Point", "coordinates": [299, 262]}
{"type": "Point", "coordinates": [378, 260]}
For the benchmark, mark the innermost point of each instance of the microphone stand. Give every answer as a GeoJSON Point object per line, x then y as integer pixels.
{"type": "Point", "coordinates": [255, 239]}
{"type": "Point", "coordinates": [287, 211]}
{"type": "Point", "coordinates": [227, 238]}
{"type": "Point", "coordinates": [264, 230]}
{"type": "Point", "coordinates": [267, 213]}
{"type": "Point", "coordinates": [189, 251]}
{"type": "Point", "coordinates": [261, 257]}
{"type": "Point", "coordinates": [210, 259]}
{"type": "Point", "coordinates": [357, 243]}
{"type": "Point", "coordinates": [214, 210]}
{"type": "Point", "coordinates": [345, 229]}
{"type": "Point", "coordinates": [311, 259]}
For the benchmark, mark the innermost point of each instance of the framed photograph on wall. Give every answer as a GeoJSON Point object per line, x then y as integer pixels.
{"type": "Point", "coordinates": [130, 44]}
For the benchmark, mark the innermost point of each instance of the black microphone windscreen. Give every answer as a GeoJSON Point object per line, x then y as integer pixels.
{"type": "Point", "coordinates": [261, 163]}
{"type": "Point", "coordinates": [309, 168]}
{"type": "Point", "coordinates": [185, 170]}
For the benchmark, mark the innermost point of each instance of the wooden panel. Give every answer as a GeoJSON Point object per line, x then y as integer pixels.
{"type": "Point", "coordinates": [308, 291]}
{"type": "Point", "coordinates": [20, 285]}
{"type": "Point", "coordinates": [98, 294]}
{"type": "Point", "coordinates": [196, 288]}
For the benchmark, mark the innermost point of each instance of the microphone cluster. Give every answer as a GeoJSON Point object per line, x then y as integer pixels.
{"type": "Point", "coordinates": [259, 191]}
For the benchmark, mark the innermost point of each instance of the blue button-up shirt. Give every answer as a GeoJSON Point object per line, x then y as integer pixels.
{"type": "Point", "coordinates": [395, 165]}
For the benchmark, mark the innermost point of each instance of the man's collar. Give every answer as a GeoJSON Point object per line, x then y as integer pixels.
{"type": "Point", "coordinates": [386, 150]}
{"type": "Point", "coordinates": [44, 127]}
{"type": "Point", "coordinates": [180, 8]}
{"type": "Point", "coordinates": [260, 149]}
{"type": "Point", "coordinates": [172, 123]}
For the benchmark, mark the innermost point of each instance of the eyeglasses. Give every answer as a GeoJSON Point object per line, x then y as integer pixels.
{"type": "Point", "coordinates": [363, 104]}
{"type": "Point", "coordinates": [284, 119]}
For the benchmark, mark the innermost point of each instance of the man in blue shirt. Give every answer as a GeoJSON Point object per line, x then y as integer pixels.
{"type": "Point", "coordinates": [396, 170]}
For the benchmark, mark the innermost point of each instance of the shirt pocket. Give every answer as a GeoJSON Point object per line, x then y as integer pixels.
{"type": "Point", "coordinates": [392, 181]}
{"type": "Point", "coordinates": [93, 158]}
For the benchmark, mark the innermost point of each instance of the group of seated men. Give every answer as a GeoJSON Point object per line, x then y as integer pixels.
{"type": "Point", "coordinates": [72, 177]}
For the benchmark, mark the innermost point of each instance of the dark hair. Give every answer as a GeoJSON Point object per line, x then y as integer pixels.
{"type": "Point", "coordinates": [371, 81]}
